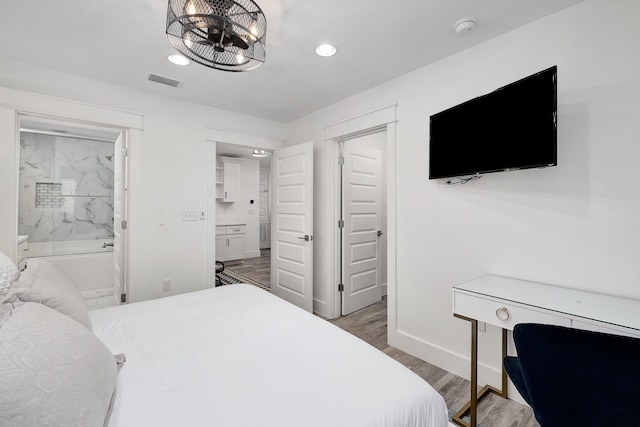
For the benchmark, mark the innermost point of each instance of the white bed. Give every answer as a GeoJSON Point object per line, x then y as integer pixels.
{"type": "Point", "coordinates": [240, 356]}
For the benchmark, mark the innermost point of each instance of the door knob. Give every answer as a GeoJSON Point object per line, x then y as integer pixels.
{"type": "Point", "coordinates": [306, 238]}
{"type": "Point", "coordinates": [380, 233]}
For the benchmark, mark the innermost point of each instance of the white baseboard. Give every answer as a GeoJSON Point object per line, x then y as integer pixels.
{"type": "Point", "coordinates": [457, 364]}
{"type": "Point", "coordinates": [321, 309]}
{"type": "Point", "coordinates": [252, 254]}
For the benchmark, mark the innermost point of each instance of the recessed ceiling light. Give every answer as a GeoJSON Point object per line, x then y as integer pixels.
{"type": "Point", "coordinates": [326, 49]}
{"type": "Point", "coordinates": [178, 59]}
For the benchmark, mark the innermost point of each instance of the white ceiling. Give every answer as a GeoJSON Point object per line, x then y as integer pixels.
{"type": "Point", "coordinates": [242, 152]}
{"type": "Point", "coordinates": [122, 41]}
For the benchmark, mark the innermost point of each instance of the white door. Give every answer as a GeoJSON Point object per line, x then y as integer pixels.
{"type": "Point", "coordinates": [231, 181]}
{"type": "Point", "coordinates": [292, 225]}
{"type": "Point", "coordinates": [235, 247]}
{"type": "Point", "coordinates": [220, 243]}
{"type": "Point", "coordinates": [119, 214]}
{"type": "Point", "coordinates": [362, 227]}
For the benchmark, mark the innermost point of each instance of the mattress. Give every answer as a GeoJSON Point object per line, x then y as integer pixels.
{"type": "Point", "coordinates": [240, 356]}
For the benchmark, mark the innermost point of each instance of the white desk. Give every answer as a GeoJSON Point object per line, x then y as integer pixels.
{"type": "Point", "coordinates": [505, 302]}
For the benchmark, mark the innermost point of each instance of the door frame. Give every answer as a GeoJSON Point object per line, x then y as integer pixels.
{"type": "Point", "coordinates": [225, 136]}
{"type": "Point", "coordinates": [383, 119]}
{"type": "Point", "coordinates": [14, 103]}
{"type": "Point", "coordinates": [129, 125]}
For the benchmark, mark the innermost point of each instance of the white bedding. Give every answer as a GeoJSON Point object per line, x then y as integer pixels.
{"type": "Point", "coordinates": [239, 356]}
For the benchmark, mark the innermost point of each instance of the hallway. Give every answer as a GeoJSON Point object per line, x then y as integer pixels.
{"type": "Point", "coordinates": [258, 268]}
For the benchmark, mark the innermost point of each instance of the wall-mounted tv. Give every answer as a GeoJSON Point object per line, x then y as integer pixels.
{"type": "Point", "coordinates": [514, 127]}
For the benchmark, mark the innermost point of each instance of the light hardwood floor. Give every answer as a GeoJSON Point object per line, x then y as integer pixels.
{"type": "Point", "coordinates": [370, 324]}
{"type": "Point", "coordinates": [258, 268]}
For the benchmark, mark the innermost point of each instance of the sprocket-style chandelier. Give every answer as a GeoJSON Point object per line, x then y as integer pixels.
{"type": "Point", "coordinates": [227, 35]}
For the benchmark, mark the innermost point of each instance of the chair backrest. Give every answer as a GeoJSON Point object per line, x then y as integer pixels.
{"type": "Point", "coordinates": [579, 378]}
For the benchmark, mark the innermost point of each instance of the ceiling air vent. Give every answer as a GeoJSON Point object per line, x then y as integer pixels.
{"type": "Point", "coordinates": [164, 80]}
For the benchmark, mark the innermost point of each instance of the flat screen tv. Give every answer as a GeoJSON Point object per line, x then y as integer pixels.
{"type": "Point", "coordinates": [512, 128]}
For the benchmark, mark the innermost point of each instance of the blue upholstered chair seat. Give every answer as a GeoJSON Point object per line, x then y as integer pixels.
{"type": "Point", "coordinates": [572, 377]}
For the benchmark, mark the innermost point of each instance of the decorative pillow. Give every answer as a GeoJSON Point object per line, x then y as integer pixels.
{"type": "Point", "coordinates": [9, 273]}
{"type": "Point", "coordinates": [45, 283]}
{"type": "Point", "coordinates": [53, 371]}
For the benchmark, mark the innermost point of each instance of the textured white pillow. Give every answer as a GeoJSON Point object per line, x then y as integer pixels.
{"type": "Point", "coordinates": [9, 273]}
{"type": "Point", "coordinates": [45, 283]}
{"type": "Point", "coordinates": [53, 371]}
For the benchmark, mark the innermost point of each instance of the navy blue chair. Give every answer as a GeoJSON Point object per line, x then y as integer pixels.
{"type": "Point", "coordinates": [572, 377]}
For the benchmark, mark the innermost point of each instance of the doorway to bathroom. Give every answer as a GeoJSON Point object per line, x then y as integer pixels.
{"type": "Point", "coordinates": [72, 184]}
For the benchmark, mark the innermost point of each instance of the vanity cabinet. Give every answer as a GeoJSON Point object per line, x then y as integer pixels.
{"type": "Point", "coordinates": [227, 179]}
{"type": "Point", "coordinates": [230, 242]}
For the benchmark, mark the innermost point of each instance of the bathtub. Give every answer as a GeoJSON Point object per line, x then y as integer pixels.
{"type": "Point", "coordinates": [70, 247]}
{"type": "Point", "coordinates": [91, 271]}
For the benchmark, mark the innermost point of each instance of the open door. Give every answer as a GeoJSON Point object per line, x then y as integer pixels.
{"type": "Point", "coordinates": [292, 225]}
{"type": "Point", "coordinates": [361, 257]}
{"type": "Point", "coordinates": [119, 216]}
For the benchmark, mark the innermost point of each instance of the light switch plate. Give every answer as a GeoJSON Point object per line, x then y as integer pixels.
{"type": "Point", "coordinates": [190, 215]}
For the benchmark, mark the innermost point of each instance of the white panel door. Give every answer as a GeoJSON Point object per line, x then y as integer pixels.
{"type": "Point", "coordinates": [362, 221]}
{"type": "Point", "coordinates": [119, 214]}
{"type": "Point", "coordinates": [292, 225]}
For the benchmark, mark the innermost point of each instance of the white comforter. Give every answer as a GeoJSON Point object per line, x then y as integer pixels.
{"type": "Point", "coordinates": [239, 356]}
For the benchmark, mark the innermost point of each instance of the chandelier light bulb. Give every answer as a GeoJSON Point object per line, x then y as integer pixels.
{"type": "Point", "coordinates": [253, 29]}
{"type": "Point", "coordinates": [191, 8]}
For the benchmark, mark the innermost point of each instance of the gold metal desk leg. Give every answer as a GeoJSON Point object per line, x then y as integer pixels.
{"type": "Point", "coordinates": [471, 407]}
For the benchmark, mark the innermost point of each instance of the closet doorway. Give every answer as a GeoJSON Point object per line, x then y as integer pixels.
{"type": "Point", "coordinates": [363, 219]}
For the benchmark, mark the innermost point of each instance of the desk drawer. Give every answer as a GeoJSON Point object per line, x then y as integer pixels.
{"type": "Point", "coordinates": [502, 314]}
{"type": "Point", "coordinates": [235, 229]}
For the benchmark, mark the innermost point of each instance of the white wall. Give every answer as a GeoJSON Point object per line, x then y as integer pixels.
{"type": "Point", "coordinates": [242, 211]}
{"type": "Point", "coordinates": [170, 172]}
{"type": "Point", "coordinates": [574, 225]}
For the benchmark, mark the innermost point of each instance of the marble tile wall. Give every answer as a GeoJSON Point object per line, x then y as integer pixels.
{"type": "Point", "coordinates": [82, 174]}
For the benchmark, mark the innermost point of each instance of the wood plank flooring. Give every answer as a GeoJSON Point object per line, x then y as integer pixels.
{"type": "Point", "coordinates": [258, 268]}
{"type": "Point", "coordinates": [370, 324]}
